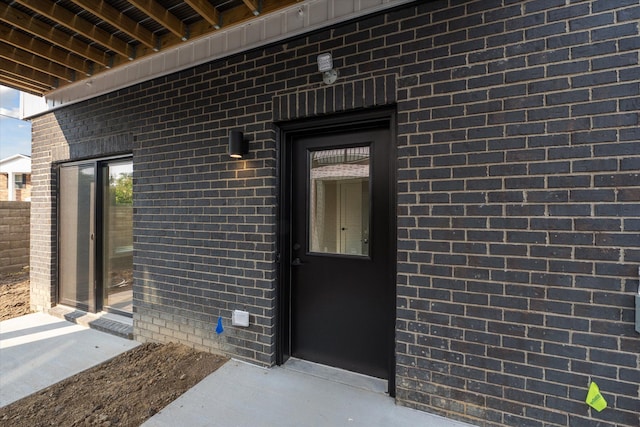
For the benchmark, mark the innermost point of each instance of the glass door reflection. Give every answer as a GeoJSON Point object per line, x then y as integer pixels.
{"type": "Point", "coordinates": [339, 201]}
{"type": "Point", "coordinates": [117, 236]}
{"type": "Point", "coordinates": [76, 222]}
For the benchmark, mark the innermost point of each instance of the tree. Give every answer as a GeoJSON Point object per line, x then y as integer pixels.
{"type": "Point", "coordinates": [123, 189]}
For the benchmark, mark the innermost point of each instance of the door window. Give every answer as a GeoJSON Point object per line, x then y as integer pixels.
{"type": "Point", "coordinates": [339, 201]}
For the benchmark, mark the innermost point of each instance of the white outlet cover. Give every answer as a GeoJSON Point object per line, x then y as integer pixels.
{"type": "Point", "coordinates": [240, 318]}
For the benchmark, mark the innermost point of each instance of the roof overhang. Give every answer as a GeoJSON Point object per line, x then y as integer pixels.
{"type": "Point", "coordinates": [275, 20]}
{"type": "Point", "coordinates": [18, 163]}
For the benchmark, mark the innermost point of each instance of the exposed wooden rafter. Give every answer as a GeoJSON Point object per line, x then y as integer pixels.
{"type": "Point", "coordinates": [47, 44]}
{"type": "Point", "coordinates": [29, 75]}
{"type": "Point", "coordinates": [21, 84]}
{"type": "Point", "coordinates": [69, 19]}
{"type": "Point", "coordinates": [162, 16]}
{"type": "Point", "coordinates": [29, 60]}
{"type": "Point", "coordinates": [207, 11]}
{"type": "Point", "coordinates": [102, 10]}
{"type": "Point", "coordinates": [44, 50]}
{"type": "Point", "coordinates": [32, 25]}
{"type": "Point", "coordinates": [253, 6]}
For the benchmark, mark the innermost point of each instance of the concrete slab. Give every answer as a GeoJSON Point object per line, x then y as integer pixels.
{"type": "Point", "coordinates": [119, 326]}
{"type": "Point", "coordinates": [239, 394]}
{"type": "Point", "coordinates": [38, 350]}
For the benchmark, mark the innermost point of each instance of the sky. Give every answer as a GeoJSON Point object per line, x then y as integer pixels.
{"type": "Point", "coordinates": [15, 134]}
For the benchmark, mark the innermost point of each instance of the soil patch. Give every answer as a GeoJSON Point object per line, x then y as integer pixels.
{"type": "Point", "coordinates": [124, 391]}
{"type": "Point", "coordinates": [14, 295]}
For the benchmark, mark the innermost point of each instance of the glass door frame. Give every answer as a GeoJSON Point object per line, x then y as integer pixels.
{"type": "Point", "coordinates": [68, 294]}
{"type": "Point", "coordinates": [102, 184]}
{"type": "Point", "coordinates": [97, 233]}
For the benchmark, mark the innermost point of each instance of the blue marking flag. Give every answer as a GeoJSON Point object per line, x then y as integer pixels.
{"type": "Point", "coordinates": [219, 328]}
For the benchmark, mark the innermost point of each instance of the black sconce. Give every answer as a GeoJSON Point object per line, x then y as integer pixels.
{"type": "Point", "coordinates": [237, 145]}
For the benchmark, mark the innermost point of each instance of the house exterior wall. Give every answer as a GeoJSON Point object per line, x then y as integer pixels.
{"type": "Point", "coordinates": [4, 186]}
{"type": "Point", "coordinates": [24, 194]}
{"type": "Point", "coordinates": [14, 170]}
{"type": "Point", "coordinates": [42, 249]}
{"type": "Point", "coordinates": [518, 149]}
{"type": "Point", "coordinates": [20, 194]}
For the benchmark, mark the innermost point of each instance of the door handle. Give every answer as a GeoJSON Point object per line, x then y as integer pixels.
{"type": "Point", "coordinates": [296, 262]}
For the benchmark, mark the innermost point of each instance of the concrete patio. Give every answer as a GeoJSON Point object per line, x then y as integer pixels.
{"type": "Point", "coordinates": [38, 350]}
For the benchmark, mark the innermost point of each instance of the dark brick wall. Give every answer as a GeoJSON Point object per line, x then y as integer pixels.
{"type": "Point", "coordinates": [518, 197]}
{"type": "Point", "coordinates": [519, 188]}
{"type": "Point", "coordinates": [45, 135]}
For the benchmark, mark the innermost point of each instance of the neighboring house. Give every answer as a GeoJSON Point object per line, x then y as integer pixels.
{"type": "Point", "coordinates": [15, 178]}
{"type": "Point", "coordinates": [456, 211]}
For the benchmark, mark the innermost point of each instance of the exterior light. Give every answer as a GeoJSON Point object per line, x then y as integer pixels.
{"type": "Point", "coordinates": [325, 62]}
{"type": "Point", "coordinates": [325, 66]}
{"type": "Point", "coordinates": [237, 145]}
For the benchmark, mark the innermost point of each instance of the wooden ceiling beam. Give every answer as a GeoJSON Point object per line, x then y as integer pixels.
{"type": "Point", "coordinates": [32, 61]}
{"type": "Point", "coordinates": [253, 6]}
{"type": "Point", "coordinates": [240, 14]}
{"type": "Point", "coordinates": [31, 76]}
{"type": "Point", "coordinates": [44, 50]}
{"type": "Point", "coordinates": [21, 85]}
{"type": "Point", "coordinates": [13, 16]}
{"type": "Point", "coordinates": [207, 11]}
{"type": "Point", "coordinates": [80, 25]}
{"type": "Point", "coordinates": [162, 16]}
{"type": "Point", "coordinates": [26, 39]}
{"type": "Point", "coordinates": [119, 20]}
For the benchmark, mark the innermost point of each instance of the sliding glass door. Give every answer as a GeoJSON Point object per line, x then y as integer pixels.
{"type": "Point", "coordinates": [117, 235]}
{"type": "Point", "coordinates": [96, 235]}
{"type": "Point", "coordinates": [77, 235]}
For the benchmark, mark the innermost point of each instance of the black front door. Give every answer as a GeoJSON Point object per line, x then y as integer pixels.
{"type": "Point", "coordinates": [341, 278]}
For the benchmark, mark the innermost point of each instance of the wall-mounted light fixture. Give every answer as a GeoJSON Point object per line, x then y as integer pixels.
{"type": "Point", "coordinates": [325, 66]}
{"type": "Point", "coordinates": [238, 147]}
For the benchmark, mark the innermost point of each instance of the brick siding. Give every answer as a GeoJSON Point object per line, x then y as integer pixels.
{"type": "Point", "coordinates": [518, 198]}
{"type": "Point", "coordinates": [21, 194]}
{"type": "Point", "coordinates": [14, 229]}
{"type": "Point", "coordinates": [43, 262]}
{"type": "Point", "coordinates": [4, 186]}
{"type": "Point", "coordinates": [24, 194]}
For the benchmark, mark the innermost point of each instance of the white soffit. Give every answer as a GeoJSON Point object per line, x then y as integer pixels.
{"type": "Point", "coordinates": [289, 22]}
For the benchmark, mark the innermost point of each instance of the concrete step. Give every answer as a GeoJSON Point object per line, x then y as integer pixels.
{"type": "Point", "coordinates": [113, 324]}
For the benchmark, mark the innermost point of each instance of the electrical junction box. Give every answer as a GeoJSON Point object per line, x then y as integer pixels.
{"type": "Point", "coordinates": [240, 318]}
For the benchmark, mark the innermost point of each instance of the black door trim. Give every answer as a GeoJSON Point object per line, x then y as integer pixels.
{"type": "Point", "coordinates": [97, 304]}
{"type": "Point", "coordinates": [286, 133]}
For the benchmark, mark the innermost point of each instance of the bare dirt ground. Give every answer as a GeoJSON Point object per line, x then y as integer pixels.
{"type": "Point", "coordinates": [14, 295]}
{"type": "Point", "coordinates": [124, 391]}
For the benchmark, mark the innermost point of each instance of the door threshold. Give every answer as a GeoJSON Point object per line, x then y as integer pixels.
{"type": "Point", "coordinates": [337, 375]}
{"type": "Point", "coordinates": [120, 326]}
